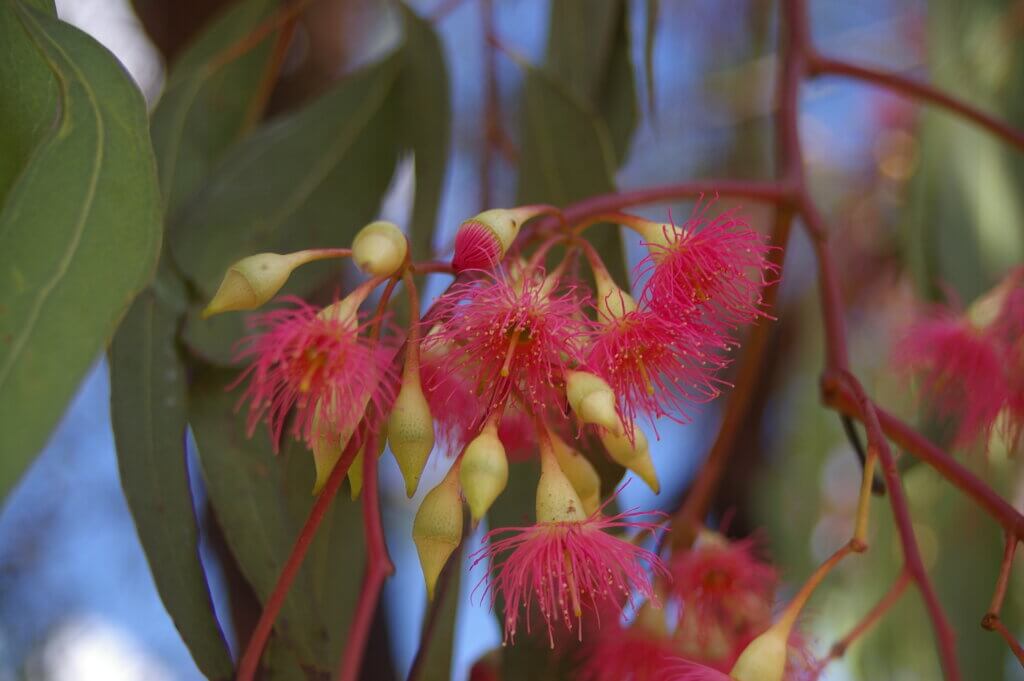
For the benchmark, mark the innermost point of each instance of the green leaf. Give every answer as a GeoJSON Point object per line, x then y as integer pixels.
{"type": "Point", "coordinates": [651, 11]}
{"type": "Point", "coordinates": [588, 52]}
{"type": "Point", "coordinates": [30, 97]}
{"type": "Point", "coordinates": [261, 501]}
{"type": "Point", "coordinates": [438, 664]}
{"type": "Point", "coordinates": [567, 154]}
{"type": "Point", "coordinates": [148, 411]}
{"type": "Point", "coordinates": [309, 179]}
{"type": "Point", "coordinates": [69, 268]}
{"type": "Point", "coordinates": [207, 102]}
{"type": "Point", "coordinates": [423, 101]}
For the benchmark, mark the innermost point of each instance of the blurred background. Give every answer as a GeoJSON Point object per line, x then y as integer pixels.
{"type": "Point", "coordinates": [923, 206]}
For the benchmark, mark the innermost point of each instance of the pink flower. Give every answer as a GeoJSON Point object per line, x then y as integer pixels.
{"type": "Point", "coordinates": [318, 366]}
{"type": "Point", "coordinates": [658, 365]}
{"type": "Point", "coordinates": [962, 372]}
{"type": "Point", "coordinates": [566, 567]}
{"type": "Point", "coordinates": [505, 338]}
{"type": "Point", "coordinates": [628, 655]}
{"type": "Point", "coordinates": [719, 267]}
{"type": "Point", "coordinates": [726, 596]}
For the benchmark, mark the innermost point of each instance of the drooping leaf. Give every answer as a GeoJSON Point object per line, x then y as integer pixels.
{"type": "Point", "coordinates": [308, 179]}
{"type": "Point", "coordinates": [423, 103]}
{"type": "Point", "coordinates": [261, 501]}
{"type": "Point", "coordinates": [207, 99]}
{"type": "Point", "coordinates": [588, 52]}
{"type": "Point", "coordinates": [148, 413]}
{"type": "Point", "coordinates": [69, 268]}
{"type": "Point", "coordinates": [651, 11]}
{"type": "Point", "coordinates": [567, 154]}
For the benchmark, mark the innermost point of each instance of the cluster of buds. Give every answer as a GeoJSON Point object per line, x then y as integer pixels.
{"type": "Point", "coordinates": [971, 363]}
{"type": "Point", "coordinates": [519, 357]}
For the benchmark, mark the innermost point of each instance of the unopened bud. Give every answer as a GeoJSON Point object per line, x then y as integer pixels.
{"type": "Point", "coordinates": [437, 529]}
{"type": "Point", "coordinates": [253, 281]}
{"type": "Point", "coordinates": [592, 399]}
{"type": "Point", "coordinates": [764, 658]}
{"type": "Point", "coordinates": [355, 471]}
{"type": "Point", "coordinates": [483, 240]}
{"type": "Point", "coordinates": [580, 473]}
{"type": "Point", "coordinates": [557, 500]}
{"type": "Point", "coordinates": [380, 248]}
{"type": "Point", "coordinates": [635, 455]}
{"type": "Point", "coordinates": [411, 431]}
{"type": "Point", "coordinates": [484, 471]}
{"type": "Point", "coordinates": [328, 444]}
{"type": "Point", "coordinates": [612, 301]}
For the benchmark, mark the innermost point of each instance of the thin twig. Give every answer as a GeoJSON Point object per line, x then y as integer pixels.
{"type": "Point", "coordinates": [944, 634]}
{"type": "Point", "coordinates": [893, 82]}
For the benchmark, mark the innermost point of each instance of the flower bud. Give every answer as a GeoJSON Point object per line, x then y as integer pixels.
{"type": "Point", "coordinates": [411, 430]}
{"type": "Point", "coordinates": [355, 471]}
{"type": "Point", "coordinates": [612, 301]}
{"type": "Point", "coordinates": [635, 455]}
{"type": "Point", "coordinates": [557, 500]}
{"type": "Point", "coordinates": [592, 399]}
{"type": "Point", "coordinates": [437, 529]}
{"type": "Point", "coordinates": [328, 444]}
{"type": "Point", "coordinates": [380, 248]}
{"type": "Point", "coordinates": [253, 281]}
{"type": "Point", "coordinates": [483, 240]}
{"type": "Point", "coordinates": [764, 658]}
{"type": "Point", "coordinates": [483, 471]}
{"type": "Point", "coordinates": [580, 473]}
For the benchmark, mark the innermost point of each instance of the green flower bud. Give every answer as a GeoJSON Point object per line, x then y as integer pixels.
{"type": "Point", "coordinates": [411, 430]}
{"type": "Point", "coordinates": [380, 248]}
{"type": "Point", "coordinates": [636, 455]}
{"type": "Point", "coordinates": [557, 500]}
{"type": "Point", "coordinates": [580, 473]}
{"type": "Point", "coordinates": [437, 529]}
{"type": "Point", "coordinates": [592, 399]}
{"type": "Point", "coordinates": [483, 471]}
{"type": "Point", "coordinates": [253, 281]}
{"type": "Point", "coordinates": [764, 658]}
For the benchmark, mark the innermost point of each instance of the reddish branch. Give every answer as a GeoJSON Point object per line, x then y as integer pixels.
{"type": "Point", "coordinates": [912, 561]}
{"type": "Point", "coordinates": [820, 65]}
{"type": "Point", "coordinates": [378, 568]}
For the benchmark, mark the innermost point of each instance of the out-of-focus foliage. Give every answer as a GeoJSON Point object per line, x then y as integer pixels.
{"type": "Point", "coordinates": [70, 266]}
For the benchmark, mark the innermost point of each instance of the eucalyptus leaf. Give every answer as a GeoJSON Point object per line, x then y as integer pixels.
{"type": "Point", "coordinates": [423, 101]}
{"type": "Point", "coordinates": [70, 268]}
{"type": "Point", "coordinates": [208, 100]}
{"type": "Point", "coordinates": [148, 412]}
{"type": "Point", "coordinates": [307, 179]}
{"type": "Point", "coordinates": [262, 501]}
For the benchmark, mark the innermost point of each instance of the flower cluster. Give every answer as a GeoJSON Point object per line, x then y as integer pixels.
{"type": "Point", "coordinates": [722, 597]}
{"type": "Point", "coordinates": [970, 363]}
{"type": "Point", "coordinates": [519, 357]}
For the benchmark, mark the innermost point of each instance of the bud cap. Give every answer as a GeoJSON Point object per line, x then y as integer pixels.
{"type": "Point", "coordinates": [380, 248]}
{"type": "Point", "coordinates": [411, 431]}
{"type": "Point", "coordinates": [437, 529]}
{"type": "Point", "coordinates": [635, 455]}
{"type": "Point", "coordinates": [483, 471]}
{"type": "Point", "coordinates": [592, 399]}
{"type": "Point", "coordinates": [251, 282]}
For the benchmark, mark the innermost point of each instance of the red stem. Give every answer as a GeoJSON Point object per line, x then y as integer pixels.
{"type": "Point", "coordinates": [906, 87]}
{"type": "Point", "coordinates": [251, 657]}
{"type": "Point", "coordinates": [378, 568]}
{"type": "Point", "coordinates": [840, 397]}
{"type": "Point", "coordinates": [944, 634]}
